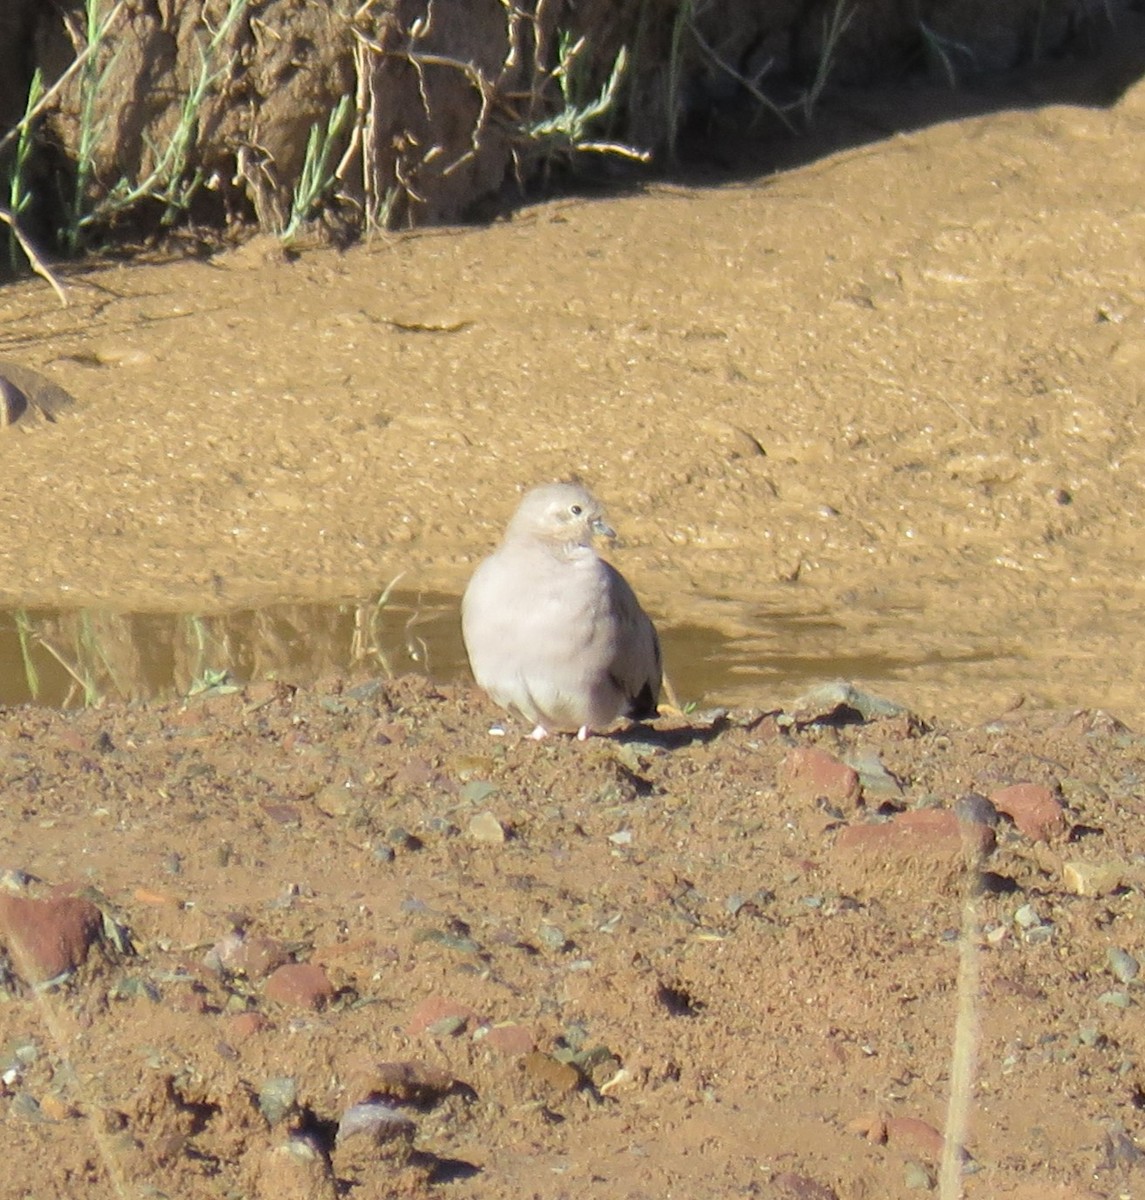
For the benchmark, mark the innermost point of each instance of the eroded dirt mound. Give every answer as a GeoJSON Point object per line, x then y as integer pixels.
{"type": "Point", "coordinates": [352, 941]}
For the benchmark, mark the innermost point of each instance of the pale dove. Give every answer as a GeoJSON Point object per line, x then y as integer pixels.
{"type": "Point", "coordinates": [552, 631]}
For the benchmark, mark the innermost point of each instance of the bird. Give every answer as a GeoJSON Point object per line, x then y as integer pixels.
{"type": "Point", "coordinates": [553, 632]}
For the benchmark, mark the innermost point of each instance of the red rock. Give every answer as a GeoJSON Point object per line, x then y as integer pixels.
{"type": "Point", "coordinates": [241, 1027]}
{"type": "Point", "coordinates": [438, 1008]}
{"type": "Point", "coordinates": [811, 774]}
{"type": "Point", "coordinates": [915, 1136]}
{"type": "Point", "coordinates": [46, 938]}
{"type": "Point", "coordinates": [510, 1039]}
{"type": "Point", "coordinates": [300, 985]}
{"type": "Point", "coordinates": [1034, 809]}
{"type": "Point", "coordinates": [933, 831]}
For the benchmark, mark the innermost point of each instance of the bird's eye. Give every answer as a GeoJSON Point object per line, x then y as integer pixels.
{"type": "Point", "coordinates": [576, 510]}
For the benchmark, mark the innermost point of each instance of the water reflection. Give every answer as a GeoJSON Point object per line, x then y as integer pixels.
{"type": "Point", "coordinates": [65, 659]}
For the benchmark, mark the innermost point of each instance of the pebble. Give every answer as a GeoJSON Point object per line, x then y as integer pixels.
{"type": "Point", "coordinates": [1095, 879]}
{"type": "Point", "coordinates": [831, 702]}
{"type": "Point", "coordinates": [914, 1134]}
{"type": "Point", "coordinates": [336, 800]}
{"type": "Point", "coordinates": [556, 1076]}
{"type": "Point", "coordinates": [1027, 917]}
{"type": "Point", "coordinates": [510, 1039]}
{"type": "Point", "coordinates": [486, 830]}
{"type": "Point", "coordinates": [254, 956]}
{"type": "Point", "coordinates": [873, 776]}
{"type": "Point", "coordinates": [552, 937]}
{"type": "Point", "coordinates": [916, 1177]}
{"type": "Point", "coordinates": [245, 1025]}
{"type": "Point", "coordinates": [48, 938]}
{"type": "Point", "coordinates": [808, 774]}
{"type": "Point", "coordinates": [476, 791]}
{"type": "Point", "coordinates": [1122, 965]}
{"type": "Point", "coordinates": [379, 1123]}
{"type": "Point", "coordinates": [434, 1009]}
{"type": "Point", "coordinates": [1034, 809]}
{"type": "Point", "coordinates": [300, 985]}
{"type": "Point", "coordinates": [276, 1098]}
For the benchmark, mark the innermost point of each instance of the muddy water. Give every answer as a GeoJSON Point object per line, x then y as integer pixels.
{"type": "Point", "coordinates": [879, 416]}
{"type": "Point", "coordinates": [69, 658]}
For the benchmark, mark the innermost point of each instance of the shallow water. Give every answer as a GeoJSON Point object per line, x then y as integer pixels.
{"type": "Point", "coordinates": [70, 658]}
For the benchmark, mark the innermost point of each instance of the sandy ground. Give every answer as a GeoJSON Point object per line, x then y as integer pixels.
{"type": "Point", "coordinates": [877, 417]}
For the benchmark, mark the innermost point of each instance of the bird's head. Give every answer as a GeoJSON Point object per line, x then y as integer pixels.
{"type": "Point", "coordinates": [560, 515]}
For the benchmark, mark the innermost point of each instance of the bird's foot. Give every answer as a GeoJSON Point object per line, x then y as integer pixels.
{"type": "Point", "coordinates": [538, 733]}
{"type": "Point", "coordinates": [582, 734]}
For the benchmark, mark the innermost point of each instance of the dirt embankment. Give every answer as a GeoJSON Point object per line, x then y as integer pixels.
{"type": "Point", "coordinates": [212, 115]}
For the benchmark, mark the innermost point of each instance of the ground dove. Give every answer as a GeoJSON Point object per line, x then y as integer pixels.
{"type": "Point", "coordinates": [552, 631]}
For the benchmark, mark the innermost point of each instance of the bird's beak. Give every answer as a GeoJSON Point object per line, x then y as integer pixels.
{"type": "Point", "coordinates": [602, 529]}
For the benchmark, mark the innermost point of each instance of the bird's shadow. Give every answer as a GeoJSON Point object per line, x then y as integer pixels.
{"type": "Point", "coordinates": [678, 737]}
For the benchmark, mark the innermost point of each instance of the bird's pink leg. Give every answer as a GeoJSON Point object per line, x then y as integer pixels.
{"type": "Point", "coordinates": [582, 734]}
{"type": "Point", "coordinates": [538, 733]}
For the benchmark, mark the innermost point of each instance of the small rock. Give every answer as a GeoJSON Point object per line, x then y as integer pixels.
{"type": "Point", "coordinates": [1094, 879]}
{"type": "Point", "coordinates": [336, 800]}
{"type": "Point", "coordinates": [553, 1075]}
{"type": "Point", "coordinates": [510, 1039]}
{"type": "Point", "coordinates": [839, 703]}
{"type": "Point", "coordinates": [376, 1122]}
{"type": "Point", "coordinates": [276, 1098]}
{"type": "Point", "coordinates": [873, 776]}
{"type": "Point", "coordinates": [1027, 917]}
{"type": "Point", "coordinates": [300, 985]}
{"type": "Point", "coordinates": [552, 937]}
{"type": "Point", "coordinates": [916, 1177]}
{"type": "Point", "coordinates": [912, 1134]}
{"type": "Point", "coordinates": [1034, 809]}
{"type": "Point", "coordinates": [434, 1009]}
{"type": "Point", "coordinates": [486, 830]}
{"type": "Point", "coordinates": [809, 774]}
{"type": "Point", "coordinates": [48, 938]}
{"type": "Point", "coordinates": [56, 1108]}
{"type": "Point", "coordinates": [254, 956]}
{"type": "Point", "coordinates": [476, 791]}
{"type": "Point", "coordinates": [1121, 1151]}
{"type": "Point", "coordinates": [243, 1026]}
{"type": "Point", "coordinates": [1122, 965]}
